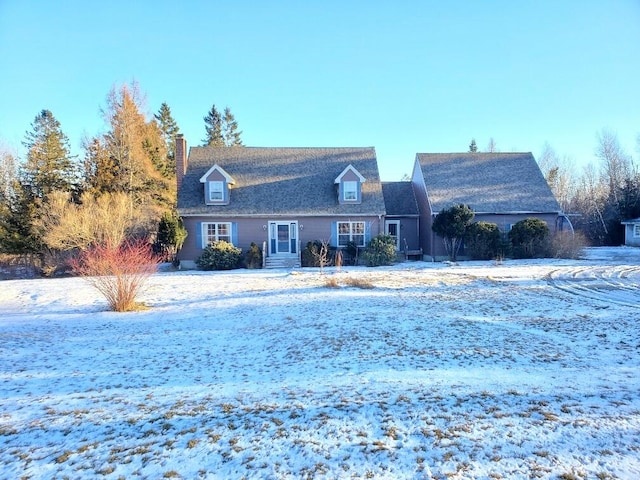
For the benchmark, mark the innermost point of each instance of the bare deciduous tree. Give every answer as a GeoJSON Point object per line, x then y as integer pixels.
{"type": "Point", "coordinates": [491, 146]}
{"type": "Point", "coordinates": [8, 173]}
{"type": "Point", "coordinates": [590, 201]}
{"type": "Point", "coordinates": [616, 164]}
{"type": "Point", "coordinates": [320, 252]}
{"type": "Point", "coordinates": [559, 175]}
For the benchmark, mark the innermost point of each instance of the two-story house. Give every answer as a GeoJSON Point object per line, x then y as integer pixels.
{"type": "Point", "coordinates": [281, 198]}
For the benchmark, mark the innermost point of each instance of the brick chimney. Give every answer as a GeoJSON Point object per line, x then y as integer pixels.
{"type": "Point", "coordinates": [181, 158]}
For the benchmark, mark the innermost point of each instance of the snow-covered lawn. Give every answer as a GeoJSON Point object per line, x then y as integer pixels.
{"type": "Point", "coordinates": [528, 369]}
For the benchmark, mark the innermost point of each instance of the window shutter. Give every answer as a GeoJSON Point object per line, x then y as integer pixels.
{"type": "Point", "coordinates": [199, 235]}
{"type": "Point", "coordinates": [234, 234]}
{"type": "Point", "coordinates": [334, 234]}
{"type": "Point", "coordinates": [367, 232]}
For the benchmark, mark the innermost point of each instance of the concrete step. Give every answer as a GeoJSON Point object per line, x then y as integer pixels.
{"type": "Point", "coordinates": [282, 262]}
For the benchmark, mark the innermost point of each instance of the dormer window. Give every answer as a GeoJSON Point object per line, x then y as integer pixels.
{"type": "Point", "coordinates": [350, 186]}
{"type": "Point", "coordinates": [217, 183]}
{"type": "Point", "coordinates": [216, 191]}
{"type": "Point", "coordinates": [350, 191]}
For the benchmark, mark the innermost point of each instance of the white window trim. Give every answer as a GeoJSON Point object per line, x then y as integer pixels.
{"type": "Point", "coordinates": [349, 168]}
{"type": "Point", "coordinates": [353, 189]}
{"type": "Point", "coordinates": [636, 230]}
{"type": "Point", "coordinates": [351, 234]}
{"type": "Point", "coordinates": [205, 233]}
{"type": "Point", "coordinates": [216, 183]}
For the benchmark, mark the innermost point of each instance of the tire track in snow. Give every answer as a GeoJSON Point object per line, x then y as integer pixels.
{"type": "Point", "coordinates": [617, 284]}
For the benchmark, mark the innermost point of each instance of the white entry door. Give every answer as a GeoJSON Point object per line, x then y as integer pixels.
{"type": "Point", "coordinates": [283, 237]}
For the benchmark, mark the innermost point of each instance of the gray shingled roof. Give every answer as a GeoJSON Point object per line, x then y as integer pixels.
{"type": "Point", "coordinates": [399, 198]}
{"type": "Point", "coordinates": [487, 182]}
{"type": "Point", "coordinates": [281, 181]}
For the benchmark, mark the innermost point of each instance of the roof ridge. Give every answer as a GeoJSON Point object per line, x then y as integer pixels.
{"type": "Point", "coordinates": [284, 148]}
{"type": "Point", "coordinates": [473, 153]}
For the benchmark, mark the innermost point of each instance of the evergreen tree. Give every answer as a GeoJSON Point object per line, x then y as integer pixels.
{"type": "Point", "coordinates": [49, 166]}
{"type": "Point", "coordinates": [222, 129]}
{"type": "Point", "coordinates": [473, 148]}
{"type": "Point", "coordinates": [18, 234]}
{"type": "Point", "coordinates": [168, 129]}
{"type": "Point", "coordinates": [100, 169]}
{"type": "Point", "coordinates": [451, 224]}
{"type": "Point", "coordinates": [213, 127]}
{"type": "Point", "coordinates": [530, 238]}
{"type": "Point", "coordinates": [171, 236]}
{"type": "Point", "coordinates": [230, 129]}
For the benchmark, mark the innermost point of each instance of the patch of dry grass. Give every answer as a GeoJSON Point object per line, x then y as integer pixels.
{"type": "Point", "coordinates": [359, 283]}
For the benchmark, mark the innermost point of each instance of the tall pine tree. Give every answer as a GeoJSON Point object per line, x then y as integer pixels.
{"type": "Point", "coordinates": [221, 129]}
{"type": "Point", "coordinates": [168, 129]}
{"type": "Point", "coordinates": [230, 129]}
{"type": "Point", "coordinates": [49, 166]}
{"type": "Point", "coordinates": [100, 169]}
{"type": "Point", "coordinates": [213, 128]}
{"type": "Point", "coordinates": [18, 217]}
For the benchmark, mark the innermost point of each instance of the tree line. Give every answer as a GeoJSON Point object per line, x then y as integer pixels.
{"type": "Point", "coordinates": [53, 203]}
{"type": "Point", "coordinates": [600, 196]}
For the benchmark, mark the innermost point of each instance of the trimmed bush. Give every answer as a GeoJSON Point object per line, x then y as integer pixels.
{"type": "Point", "coordinates": [381, 250]}
{"type": "Point", "coordinates": [219, 255]}
{"type": "Point", "coordinates": [351, 254]}
{"type": "Point", "coordinates": [171, 236]}
{"type": "Point", "coordinates": [253, 257]}
{"type": "Point", "coordinates": [530, 238]}
{"type": "Point", "coordinates": [482, 241]}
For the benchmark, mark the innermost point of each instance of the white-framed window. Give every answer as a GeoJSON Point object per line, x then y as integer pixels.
{"type": "Point", "coordinates": [636, 229]}
{"type": "Point", "coordinates": [350, 191]}
{"type": "Point", "coordinates": [213, 232]}
{"type": "Point", "coordinates": [393, 230]}
{"type": "Point", "coordinates": [350, 232]}
{"type": "Point", "coordinates": [216, 191]}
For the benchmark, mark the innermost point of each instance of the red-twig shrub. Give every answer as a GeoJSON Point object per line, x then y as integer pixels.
{"type": "Point", "coordinates": [119, 273]}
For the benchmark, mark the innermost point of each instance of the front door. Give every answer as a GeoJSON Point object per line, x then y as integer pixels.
{"type": "Point", "coordinates": [392, 228]}
{"type": "Point", "coordinates": [283, 237]}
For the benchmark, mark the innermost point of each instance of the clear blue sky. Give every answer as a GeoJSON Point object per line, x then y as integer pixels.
{"type": "Point", "coordinates": [403, 76]}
